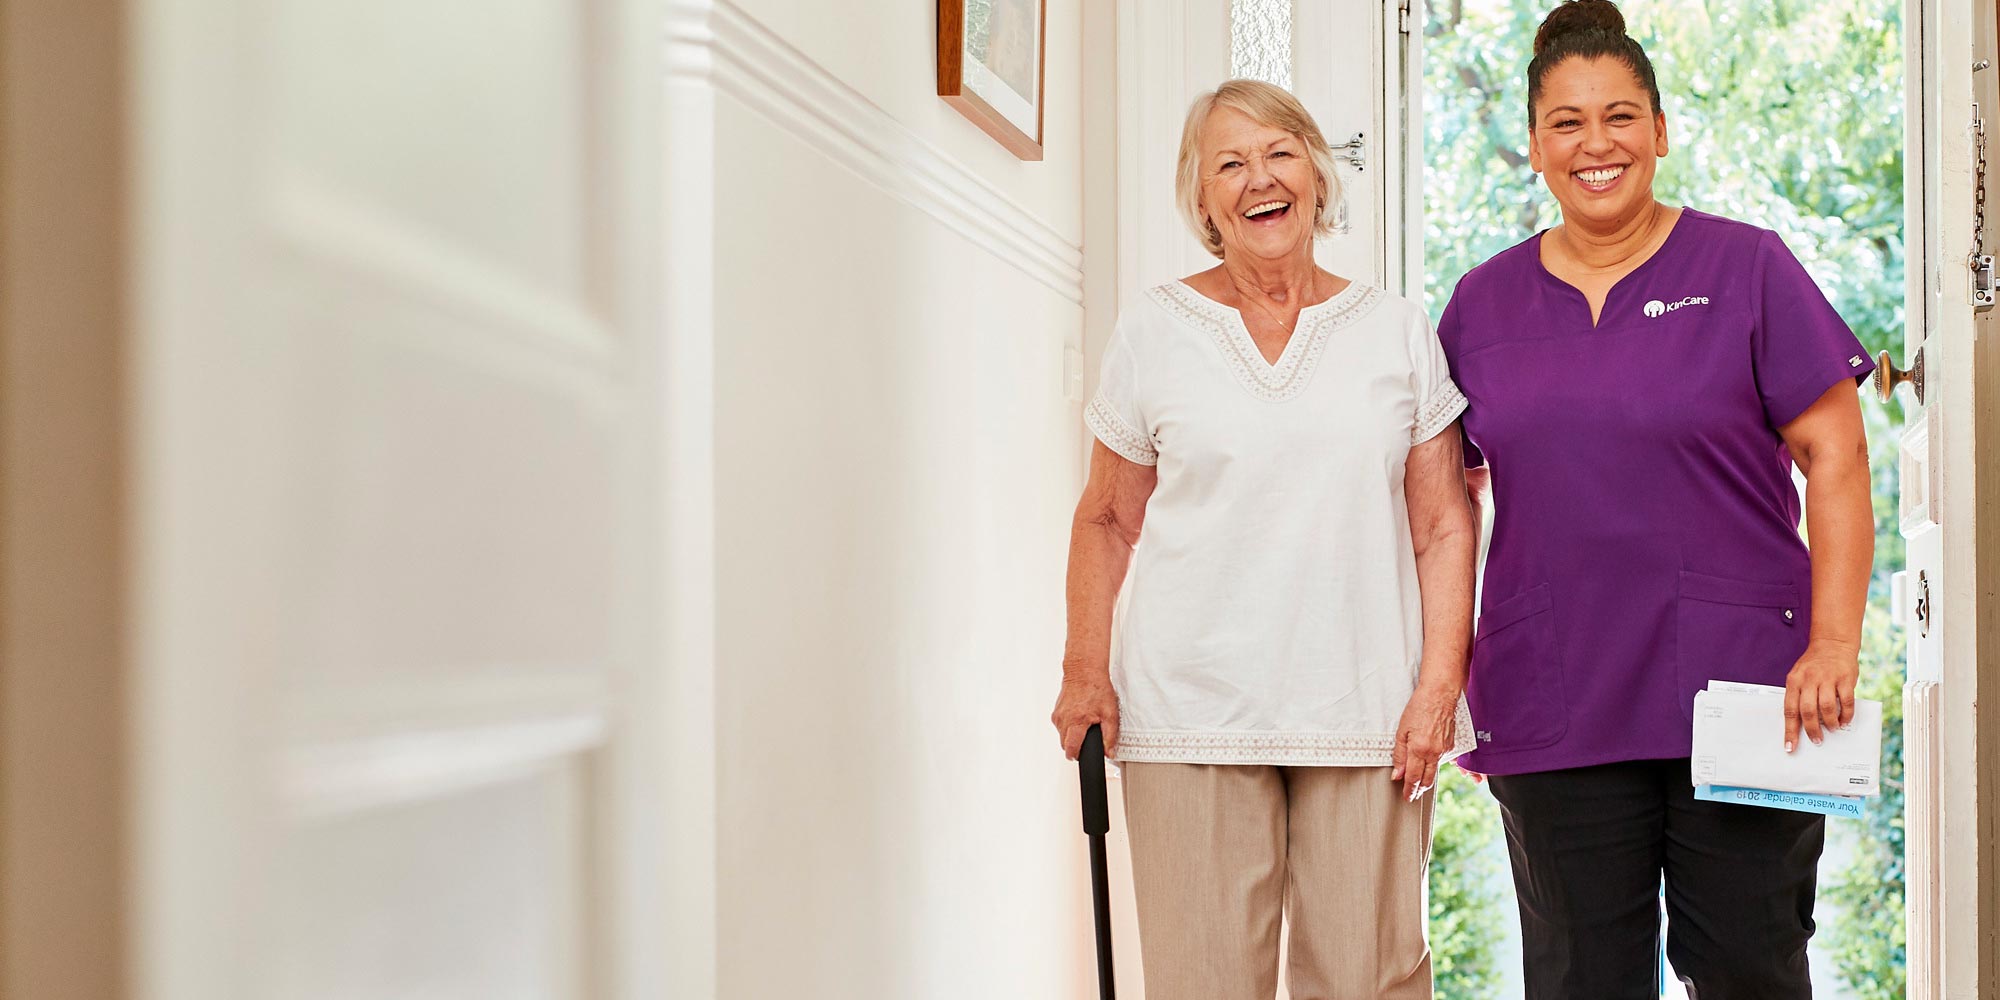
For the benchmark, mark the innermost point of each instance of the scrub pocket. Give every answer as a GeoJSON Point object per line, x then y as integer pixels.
{"type": "Point", "coordinates": [1735, 630]}
{"type": "Point", "coordinates": [1515, 691]}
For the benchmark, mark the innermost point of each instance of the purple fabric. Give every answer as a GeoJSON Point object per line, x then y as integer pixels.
{"type": "Point", "coordinates": [1646, 525]}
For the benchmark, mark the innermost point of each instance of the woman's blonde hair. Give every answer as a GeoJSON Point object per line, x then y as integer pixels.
{"type": "Point", "coordinates": [1268, 105]}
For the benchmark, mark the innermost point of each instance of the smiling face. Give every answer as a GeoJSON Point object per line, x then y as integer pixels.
{"type": "Point", "coordinates": [1596, 141]}
{"type": "Point", "coordinates": [1258, 187]}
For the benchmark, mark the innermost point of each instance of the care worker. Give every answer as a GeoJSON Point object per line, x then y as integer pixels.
{"type": "Point", "coordinates": [1642, 381]}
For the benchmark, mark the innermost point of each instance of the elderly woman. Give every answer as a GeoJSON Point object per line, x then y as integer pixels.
{"type": "Point", "coordinates": [1285, 671]}
{"type": "Point", "coordinates": [1643, 380]}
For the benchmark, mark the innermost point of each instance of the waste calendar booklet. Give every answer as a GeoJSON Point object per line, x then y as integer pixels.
{"type": "Point", "coordinates": [1739, 753]}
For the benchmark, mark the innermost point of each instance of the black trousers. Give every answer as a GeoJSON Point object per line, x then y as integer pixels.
{"type": "Point", "coordinates": [1590, 846]}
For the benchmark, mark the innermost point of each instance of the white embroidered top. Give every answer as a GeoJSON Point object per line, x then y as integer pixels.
{"type": "Point", "coordinates": [1271, 615]}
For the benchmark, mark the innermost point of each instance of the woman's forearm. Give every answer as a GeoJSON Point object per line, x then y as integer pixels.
{"type": "Point", "coordinates": [1445, 567]}
{"type": "Point", "coordinates": [1840, 520]}
{"type": "Point", "coordinates": [1446, 539]}
{"type": "Point", "coordinates": [1099, 555]}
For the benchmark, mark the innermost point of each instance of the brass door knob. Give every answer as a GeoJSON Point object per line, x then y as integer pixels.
{"type": "Point", "coordinates": [1888, 376]}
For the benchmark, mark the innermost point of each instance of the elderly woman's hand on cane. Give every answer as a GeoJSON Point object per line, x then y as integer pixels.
{"type": "Point", "coordinates": [1087, 699]}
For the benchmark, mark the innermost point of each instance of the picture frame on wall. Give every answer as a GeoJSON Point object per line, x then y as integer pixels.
{"type": "Point", "coordinates": [991, 57]}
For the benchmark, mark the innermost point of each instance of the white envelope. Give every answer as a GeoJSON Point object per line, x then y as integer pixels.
{"type": "Point", "coordinates": [1739, 740]}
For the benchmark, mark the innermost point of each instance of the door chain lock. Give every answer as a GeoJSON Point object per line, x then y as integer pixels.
{"type": "Point", "coordinates": [1979, 262]}
{"type": "Point", "coordinates": [1354, 151]}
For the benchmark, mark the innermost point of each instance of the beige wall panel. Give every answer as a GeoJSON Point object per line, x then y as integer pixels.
{"type": "Point", "coordinates": [456, 374]}
{"type": "Point", "coordinates": [423, 465]}
{"type": "Point", "coordinates": [466, 123]}
{"type": "Point", "coordinates": [410, 902]}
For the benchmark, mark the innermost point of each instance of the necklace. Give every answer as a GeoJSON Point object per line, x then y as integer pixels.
{"type": "Point", "coordinates": [1311, 285]}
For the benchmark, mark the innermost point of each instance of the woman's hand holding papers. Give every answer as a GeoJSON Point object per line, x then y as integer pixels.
{"type": "Point", "coordinates": [1819, 691]}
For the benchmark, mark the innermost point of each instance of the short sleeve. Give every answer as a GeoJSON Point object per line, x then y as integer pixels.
{"type": "Point", "coordinates": [1115, 414]}
{"type": "Point", "coordinates": [1448, 341]}
{"type": "Point", "coordinates": [1438, 400]}
{"type": "Point", "coordinates": [1800, 347]}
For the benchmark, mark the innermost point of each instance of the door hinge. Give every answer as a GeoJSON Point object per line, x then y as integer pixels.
{"type": "Point", "coordinates": [1403, 16]}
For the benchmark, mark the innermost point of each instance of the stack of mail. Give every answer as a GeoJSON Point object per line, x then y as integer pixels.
{"type": "Point", "coordinates": [1739, 752]}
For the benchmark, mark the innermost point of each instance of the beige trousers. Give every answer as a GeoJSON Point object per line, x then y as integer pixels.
{"type": "Point", "coordinates": [1220, 852]}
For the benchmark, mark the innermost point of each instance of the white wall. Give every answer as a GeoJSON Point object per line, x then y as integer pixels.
{"type": "Point", "coordinates": [895, 469]}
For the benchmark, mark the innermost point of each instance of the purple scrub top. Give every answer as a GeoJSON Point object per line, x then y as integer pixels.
{"type": "Point", "coordinates": [1646, 532]}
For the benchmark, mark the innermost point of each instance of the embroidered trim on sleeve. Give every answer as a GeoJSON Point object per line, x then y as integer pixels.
{"type": "Point", "coordinates": [1104, 422]}
{"type": "Point", "coordinates": [1444, 407]}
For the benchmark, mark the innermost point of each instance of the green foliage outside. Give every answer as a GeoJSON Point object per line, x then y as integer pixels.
{"type": "Point", "coordinates": [1866, 935]}
{"type": "Point", "coordinates": [1783, 113]}
{"type": "Point", "coordinates": [1466, 901]}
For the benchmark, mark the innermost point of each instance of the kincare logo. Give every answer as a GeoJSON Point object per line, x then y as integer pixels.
{"type": "Point", "coordinates": [1656, 309]}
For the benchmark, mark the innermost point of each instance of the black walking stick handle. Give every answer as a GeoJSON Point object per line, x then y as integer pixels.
{"type": "Point", "coordinates": [1090, 768]}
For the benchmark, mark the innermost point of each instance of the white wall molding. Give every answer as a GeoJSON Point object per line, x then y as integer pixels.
{"type": "Point", "coordinates": [753, 65]}
{"type": "Point", "coordinates": [680, 373]}
{"type": "Point", "coordinates": [688, 41]}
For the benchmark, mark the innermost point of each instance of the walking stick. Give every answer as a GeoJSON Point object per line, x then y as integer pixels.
{"type": "Point", "coordinates": [1096, 823]}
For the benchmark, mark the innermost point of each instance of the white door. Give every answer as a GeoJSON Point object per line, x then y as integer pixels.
{"type": "Point", "coordinates": [389, 434]}
{"type": "Point", "coordinates": [1950, 745]}
{"type": "Point", "coordinates": [1352, 62]}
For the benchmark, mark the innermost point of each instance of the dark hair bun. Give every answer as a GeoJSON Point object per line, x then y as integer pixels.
{"type": "Point", "coordinates": [1577, 16]}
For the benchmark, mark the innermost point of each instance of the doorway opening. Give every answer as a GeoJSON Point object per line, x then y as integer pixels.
{"type": "Point", "coordinates": [1787, 114]}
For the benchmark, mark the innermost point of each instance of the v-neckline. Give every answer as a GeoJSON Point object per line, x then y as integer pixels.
{"type": "Point", "coordinates": [1241, 328]}
{"type": "Point", "coordinates": [1288, 376]}
{"type": "Point", "coordinates": [1596, 322]}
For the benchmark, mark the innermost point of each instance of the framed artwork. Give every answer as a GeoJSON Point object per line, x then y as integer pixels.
{"type": "Point", "coordinates": [990, 62]}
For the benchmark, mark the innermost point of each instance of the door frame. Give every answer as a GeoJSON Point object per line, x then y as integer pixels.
{"type": "Point", "coordinates": [1954, 842]}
